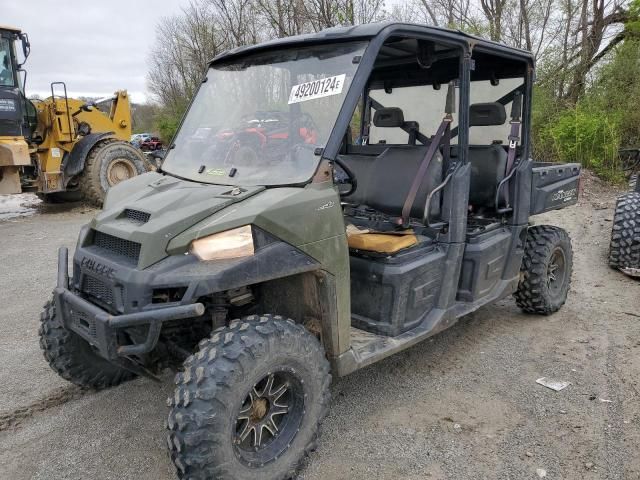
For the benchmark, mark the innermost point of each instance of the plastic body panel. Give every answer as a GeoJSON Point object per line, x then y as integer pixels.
{"type": "Point", "coordinates": [392, 295]}
{"type": "Point", "coordinates": [130, 289]}
{"type": "Point", "coordinates": [553, 186]}
{"type": "Point", "coordinates": [484, 260]}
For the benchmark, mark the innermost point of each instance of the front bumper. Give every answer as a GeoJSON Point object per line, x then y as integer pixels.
{"type": "Point", "coordinates": [109, 293]}
{"type": "Point", "coordinates": [100, 328]}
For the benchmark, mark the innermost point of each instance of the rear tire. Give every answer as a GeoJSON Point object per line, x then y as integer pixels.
{"type": "Point", "coordinates": [545, 273]}
{"type": "Point", "coordinates": [261, 373]}
{"type": "Point", "coordinates": [109, 162]}
{"type": "Point", "coordinates": [72, 358]}
{"type": "Point", "coordinates": [624, 249]}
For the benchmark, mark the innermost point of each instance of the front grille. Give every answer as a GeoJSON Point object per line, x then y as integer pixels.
{"type": "Point", "coordinates": [137, 216]}
{"type": "Point", "coordinates": [98, 290]}
{"type": "Point", "coordinates": [118, 246]}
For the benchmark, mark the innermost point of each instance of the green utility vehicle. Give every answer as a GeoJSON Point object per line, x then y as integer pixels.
{"type": "Point", "coordinates": [329, 200]}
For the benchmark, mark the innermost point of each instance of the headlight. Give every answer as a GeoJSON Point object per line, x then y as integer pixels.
{"type": "Point", "coordinates": [234, 243]}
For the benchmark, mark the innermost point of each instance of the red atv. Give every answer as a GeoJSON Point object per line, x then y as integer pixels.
{"type": "Point", "coordinates": [151, 144]}
{"type": "Point", "coordinates": [267, 135]}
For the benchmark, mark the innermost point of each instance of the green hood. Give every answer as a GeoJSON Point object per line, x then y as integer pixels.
{"type": "Point", "coordinates": [181, 211]}
{"type": "Point", "coordinates": [173, 205]}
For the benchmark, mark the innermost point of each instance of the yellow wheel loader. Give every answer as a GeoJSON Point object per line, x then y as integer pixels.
{"type": "Point", "coordinates": [60, 148]}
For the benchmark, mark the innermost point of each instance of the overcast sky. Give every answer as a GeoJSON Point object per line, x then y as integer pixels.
{"type": "Point", "coordinates": [95, 46]}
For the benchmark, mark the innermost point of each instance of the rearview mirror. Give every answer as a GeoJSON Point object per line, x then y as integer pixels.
{"type": "Point", "coordinates": [26, 46]}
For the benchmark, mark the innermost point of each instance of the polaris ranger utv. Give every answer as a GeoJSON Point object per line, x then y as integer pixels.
{"type": "Point", "coordinates": [329, 200]}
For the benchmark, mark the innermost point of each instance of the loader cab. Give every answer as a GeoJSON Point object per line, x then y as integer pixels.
{"type": "Point", "coordinates": [17, 113]}
{"type": "Point", "coordinates": [12, 100]}
{"type": "Point", "coordinates": [435, 204]}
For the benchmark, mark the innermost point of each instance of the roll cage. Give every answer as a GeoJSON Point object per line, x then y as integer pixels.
{"type": "Point", "coordinates": [379, 33]}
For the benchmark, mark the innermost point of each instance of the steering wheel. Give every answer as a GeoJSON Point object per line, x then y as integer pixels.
{"type": "Point", "coordinates": [350, 180]}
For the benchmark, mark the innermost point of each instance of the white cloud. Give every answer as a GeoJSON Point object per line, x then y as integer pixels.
{"type": "Point", "coordinates": [94, 47]}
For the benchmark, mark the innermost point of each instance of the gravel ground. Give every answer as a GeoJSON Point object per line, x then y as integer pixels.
{"type": "Point", "coordinates": [462, 405]}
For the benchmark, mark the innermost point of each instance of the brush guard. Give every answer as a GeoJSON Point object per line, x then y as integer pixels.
{"type": "Point", "coordinates": [100, 329]}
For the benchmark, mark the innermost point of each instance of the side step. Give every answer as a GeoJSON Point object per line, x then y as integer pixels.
{"type": "Point", "coordinates": [368, 348]}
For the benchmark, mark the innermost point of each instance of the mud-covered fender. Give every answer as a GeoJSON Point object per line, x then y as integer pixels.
{"type": "Point", "coordinates": [74, 163]}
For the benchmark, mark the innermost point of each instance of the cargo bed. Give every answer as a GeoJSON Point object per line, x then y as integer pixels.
{"type": "Point", "coordinates": [554, 186]}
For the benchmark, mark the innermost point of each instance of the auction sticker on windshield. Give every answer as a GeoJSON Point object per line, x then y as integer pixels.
{"type": "Point", "coordinates": [323, 87]}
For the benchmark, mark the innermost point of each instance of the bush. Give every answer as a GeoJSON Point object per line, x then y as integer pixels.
{"type": "Point", "coordinates": [591, 138]}
{"type": "Point", "coordinates": [618, 90]}
{"type": "Point", "coordinates": [167, 125]}
{"type": "Point", "coordinates": [545, 109]}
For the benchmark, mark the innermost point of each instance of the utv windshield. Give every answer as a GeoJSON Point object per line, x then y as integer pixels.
{"type": "Point", "coordinates": [259, 119]}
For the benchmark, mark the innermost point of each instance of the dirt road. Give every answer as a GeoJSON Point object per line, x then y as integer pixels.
{"type": "Point", "coordinates": [464, 405]}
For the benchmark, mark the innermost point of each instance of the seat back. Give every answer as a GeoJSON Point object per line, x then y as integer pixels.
{"type": "Point", "coordinates": [384, 180]}
{"type": "Point", "coordinates": [488, 169]}
{"type": "Point", "coordinates": [393, 117]}
{"type": "Point", "coordinates": [488, 162]}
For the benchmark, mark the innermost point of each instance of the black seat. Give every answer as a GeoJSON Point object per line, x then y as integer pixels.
{"type": "Point", "coordinates": [384, 179]}
{"type": "Point", "coordinates": [488, 162]}
{"type": "Point", "coordinates": [488, 168]}
{"type": "Point", "coordinates": [384, 173]}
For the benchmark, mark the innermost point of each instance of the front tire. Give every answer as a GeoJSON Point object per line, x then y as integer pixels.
{"type": "Point", "coordinates": [109, 162]}
{"type": "Point", "coordinates": [249, 403]}
{"type": "Point", "coordinates": [72, 358]}
{"type": "Point", "coordinates": [545, 273]}
{"type": "Point", "coordinates": [624, 249]}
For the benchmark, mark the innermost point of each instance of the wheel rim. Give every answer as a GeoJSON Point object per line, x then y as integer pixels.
{"type": "Point", "coordinates": [556, 271]}
{"type": "Point", "coordinates": [119, 170]}
{"type": "Point", "coordinates": [268, 418]}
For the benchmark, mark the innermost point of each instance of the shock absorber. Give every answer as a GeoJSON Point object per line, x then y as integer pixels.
{"type": "Point", "coordinates": [218, 307]}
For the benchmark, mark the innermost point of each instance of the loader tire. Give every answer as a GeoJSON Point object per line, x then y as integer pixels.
{"type": "Point", "coordinates": [72, 358]}
{"type": "Point", "coordinates": [109, 162]}
{"type": "Point", "coordinates": [262, 374]}
{"type": "Point", "coordinates": [624, 249]}
{"type": "Point", "coordinates": [545, 273]}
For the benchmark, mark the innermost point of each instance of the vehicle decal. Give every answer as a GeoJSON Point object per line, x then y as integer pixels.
{"type": "Point", "coordinates": [565, 195]}
{"type": "Point", "coordinates": [323, 87]}
{"type": "Point", "coordinates": [216, 171]}
{"type": "Point", "coordinates": [9, 105]}
{"type": "Point", "coordinates": [329, 204]}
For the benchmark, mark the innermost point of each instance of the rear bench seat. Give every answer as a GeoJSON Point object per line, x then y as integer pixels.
{"type": "Point", "coordinates": [384, 179]}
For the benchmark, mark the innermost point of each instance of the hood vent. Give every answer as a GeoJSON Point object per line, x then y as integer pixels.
{"type": "Point", "coordinates": [120, 247]}
{"type": "Point", "coordinates": [136, 216]}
